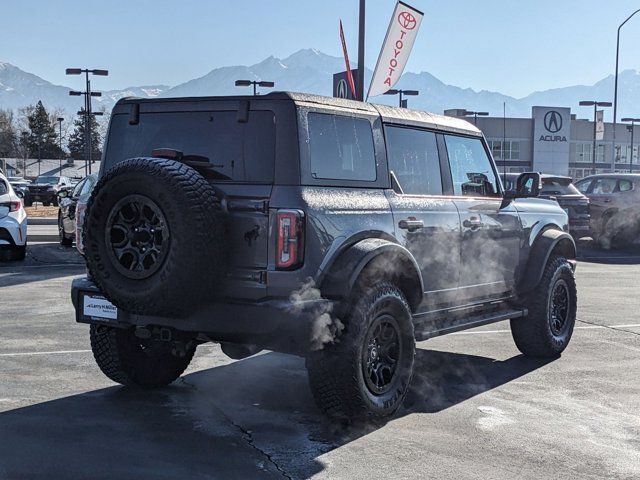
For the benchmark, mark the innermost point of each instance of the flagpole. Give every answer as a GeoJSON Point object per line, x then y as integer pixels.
{"type": "Point", "coordinates": [360, 79]}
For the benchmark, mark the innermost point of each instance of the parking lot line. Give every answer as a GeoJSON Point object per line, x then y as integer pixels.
{"type": "Point", "coordinates": [56, 352]}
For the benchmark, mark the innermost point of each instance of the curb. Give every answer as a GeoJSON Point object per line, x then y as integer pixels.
{"type": "Point", "coordinates": [42, 220]}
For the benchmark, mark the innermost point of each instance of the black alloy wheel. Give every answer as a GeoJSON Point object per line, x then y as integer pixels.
{"type": "Point", "coordinates": [137, 235]}
{"type": "Point", "coordinates": [381, 355]}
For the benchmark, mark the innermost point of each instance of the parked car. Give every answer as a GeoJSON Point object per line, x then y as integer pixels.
{"type": "Point", "coordinates": [13, 223]}
{"type": "Point", "coordinates": [572, 201]}
{"type": "Point", "coordinates": [615, 207]}
{"type": "Point", "coordinates": [20, 187]}
{"type": "Point", "coordinates": [69, 199]}
{"type": "Point", "coordinates": [337, 230]}
{"type": "Point", "coordinates": [45, 189]}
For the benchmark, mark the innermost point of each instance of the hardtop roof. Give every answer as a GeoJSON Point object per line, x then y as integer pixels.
{"type": "Point", "coordinates": [395, 115]}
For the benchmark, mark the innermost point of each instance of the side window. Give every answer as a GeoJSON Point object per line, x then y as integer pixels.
{"type": "Point", "coordinates": [603, 186]}
{"type": "Point", "coordinates": [88, 186]}
{"type": "Point", "coordinates": [78, 188]}
{"type": "Point", "coordinates": [341, 148]}
{"type": "Point", "coordinates": [471, 167]}
{"type": "Point", "coordinates": [583, 185]}
{"type": "Point", "coordinates": [3, 188]}
{"type": "Point", "coordinates": [413, 158]}
{"type": "Point", "coordinates": [625, 185]}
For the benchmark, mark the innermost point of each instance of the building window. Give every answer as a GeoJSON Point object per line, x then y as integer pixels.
{"type": "Point", "coordinates": [583, 152]}
{"type": "Point", "coordinates": [511, 149]}
{"type": "Point", "coordinates": [623, 153]}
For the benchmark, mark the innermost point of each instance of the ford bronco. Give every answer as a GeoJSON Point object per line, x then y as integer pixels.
{"type": "Point", "coordinates": [340, 231]}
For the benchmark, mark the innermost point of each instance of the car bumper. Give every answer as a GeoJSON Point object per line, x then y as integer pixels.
{"type": "Point", "coordinates": [274, 324]}
{"type": "Point", "coordinates": [42, 196]}
{"type": "Point", "coordinates": [13, 229]}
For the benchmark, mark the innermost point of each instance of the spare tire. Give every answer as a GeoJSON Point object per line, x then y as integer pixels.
{"type": "Point", "coordinates": [153, 237]}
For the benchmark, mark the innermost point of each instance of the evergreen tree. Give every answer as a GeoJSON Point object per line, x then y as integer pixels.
{"type": "Point", "coordinates": [77, 138]}
{"type": "Point", "coordinates": [8, 135]}
{"type": "Point", "coordinates": [42, 139]}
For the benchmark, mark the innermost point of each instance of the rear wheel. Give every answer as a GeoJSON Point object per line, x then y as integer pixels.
{"type": "Point", "coordinates": [367, 373]}
{"type": "Point", "coordinates": [547, 329]}
{"type": "Point", "coordinates": [128, 360]}
{"type": "Point", "coordinates": [15, 253]}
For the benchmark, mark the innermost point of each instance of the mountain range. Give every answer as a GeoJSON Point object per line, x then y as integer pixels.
{"type": "Point", "coordinates": [311, 71]}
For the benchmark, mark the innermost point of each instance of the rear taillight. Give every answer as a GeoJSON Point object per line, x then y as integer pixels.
{"type": "Point", "coordinates": [290, 246]}
{"type": "Point", "coordinates": [14, 206]}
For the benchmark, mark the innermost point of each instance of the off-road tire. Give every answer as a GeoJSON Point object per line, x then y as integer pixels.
{"type": "Point", "coordinates": [64, 240]}
{"type": "Point", "coordinates": [534, 334]}
{"type": "Point", "coordinates": [336, 373]}
{"type": "Point", "coordinates": [120, 356]}
{"type": "Point", "coordinates": [193, 259]}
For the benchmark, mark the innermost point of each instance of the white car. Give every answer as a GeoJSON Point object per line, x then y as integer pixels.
{"type": "Point", "coordinates": [13, 223]}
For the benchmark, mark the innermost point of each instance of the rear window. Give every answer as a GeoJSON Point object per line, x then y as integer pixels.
{"type": "Point", "coordinates": [341, 148]}
{"type": "Point", "coordinates": [244, 152]}
{"type": "Point", "coordinates": [558, 186]}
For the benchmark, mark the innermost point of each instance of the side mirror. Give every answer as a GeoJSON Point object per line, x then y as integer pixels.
{"type": "Point", "coordinates": [63, 194]}
{"type": "Point", "coordinates": [528, 185]}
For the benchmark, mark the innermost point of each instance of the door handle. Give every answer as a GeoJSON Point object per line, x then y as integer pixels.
{"type": "Point", "coordinates": [473, 223]}
{"type": "Point", "coordinates": [411, 224]}
{"type": "Point", "coordinates": [607, 200]}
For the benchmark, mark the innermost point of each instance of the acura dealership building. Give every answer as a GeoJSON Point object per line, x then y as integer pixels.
{"type": "Point", "coordinates": [553, 140]}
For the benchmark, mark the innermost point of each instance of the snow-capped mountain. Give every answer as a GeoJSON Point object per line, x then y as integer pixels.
{"type": "Point", "coordinates": [311, 71]}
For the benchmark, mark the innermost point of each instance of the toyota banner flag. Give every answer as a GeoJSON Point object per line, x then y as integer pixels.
{"type": "Point", "coordinates": [396, 48]}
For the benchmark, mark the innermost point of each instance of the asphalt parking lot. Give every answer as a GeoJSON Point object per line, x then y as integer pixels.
{"type": "Point", "coordinates": [477, 408]}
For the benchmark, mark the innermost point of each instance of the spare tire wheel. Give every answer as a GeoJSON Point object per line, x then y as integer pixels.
{"type": "Point", "coordinates": [154, 237]}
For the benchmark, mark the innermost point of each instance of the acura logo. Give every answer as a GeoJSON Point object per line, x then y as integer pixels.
{"type": "Point", "coordinates": [553, 121]}
{"type": "Point", "coordinates": [341, 89]}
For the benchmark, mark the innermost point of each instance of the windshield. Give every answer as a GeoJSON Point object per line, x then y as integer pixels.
{"type": "Point", "coordinates": [240, 151]}
{"type": "Point", "coordinates": [558, 186]}
{"type": "Point", "coordinates": [47, 180]}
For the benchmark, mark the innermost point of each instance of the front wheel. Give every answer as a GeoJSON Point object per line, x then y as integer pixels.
{"type": "Point", "coordinates": [547, 329]}
{"type": "Point", "coordinates": [367, 372]}
{"type": "Point", "coordinates": [131, 361]}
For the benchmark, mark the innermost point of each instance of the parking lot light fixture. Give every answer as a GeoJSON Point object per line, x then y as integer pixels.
{"type": "Point", "coordinates": [475, 115]}
{"type": "Point", "coordinates": [402, 102]}
{"type": "Point", "coordinates": [255, 84]}
{"type": "Point", "coordinates": [631, 128]}
{"type": "Point", "coordinates": [87, 106]}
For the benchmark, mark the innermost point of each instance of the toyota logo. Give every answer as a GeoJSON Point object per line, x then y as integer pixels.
{"type": "Point", "coordinates": [407, 21]}
{"type": "Point", "coordinates": [341, 89]}
{"type": "Point", "coordinates": [553, 121]}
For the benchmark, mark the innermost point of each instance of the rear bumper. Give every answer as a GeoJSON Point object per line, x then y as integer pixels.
{"type": "Point", "coordinates": [13, 231]}
{"type": "Point", "coordinates": [274, 324]}
{"type": "Point", "coordinates": [48, 196]}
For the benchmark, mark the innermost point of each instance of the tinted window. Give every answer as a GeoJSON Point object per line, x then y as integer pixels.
{"type": "Point", "coordinates": [78, 188]}
{"type": "Point", "coordinates": [558, 186]}
{"type": "Point", "coordinates": [3, 188]}
{"type": "Point", "coordinates": [240, 151]}
{"type": "Point", "coordinates": [471, 168]}
{"type": "Point", "coordinates": [625, 185]}
{"type": "Point", "coordinates": [583, 185]}
{"type": "Point", "coordinates": [413, 158]}
{"type": "Point", "coordinates": [341, 148]}
{"type": "Point", "coordinates": [47, 180]}
{"type": "Point", "coordinates": [604, 186]}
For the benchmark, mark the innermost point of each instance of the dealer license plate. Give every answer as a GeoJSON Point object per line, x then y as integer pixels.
{"type": "Point", "coordinates": [95, 306]}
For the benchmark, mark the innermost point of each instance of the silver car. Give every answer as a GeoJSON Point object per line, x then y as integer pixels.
{"type": "Point", "coordinates": [13, 223]}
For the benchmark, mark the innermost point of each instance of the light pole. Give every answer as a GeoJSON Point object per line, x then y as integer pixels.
{"type": "Point", "coordinates": [595, 104]}
{"type": "Point", "coordinates": [60, 120]}
{"type": "Point", "coordinates": [615, 88]}
{"type": "Point", "coordinates": [255, 83]}
{"type": "Point", "coordinates": [631, 127]}
{"type": "Point", "coordinates": [468, 113]}
{"type": "Point", "coordinates": [87, 108]}
{"type": "Point", "coordinates": [402, 103]}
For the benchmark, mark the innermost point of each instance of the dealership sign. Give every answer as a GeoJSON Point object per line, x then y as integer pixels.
{"type": "Point", "coordinates": [396, 48]}
{"type": "Point", "coordinates": [551, 134]}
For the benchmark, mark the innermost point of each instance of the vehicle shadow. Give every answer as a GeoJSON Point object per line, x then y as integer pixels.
{"type": "Point", "coordinates": [253, 418]}
{"type": "Point", "coordinates": [589, 252]}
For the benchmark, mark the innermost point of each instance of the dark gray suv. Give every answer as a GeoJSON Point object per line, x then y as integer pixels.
{"type": "Point", "coordinates": [340, 231]}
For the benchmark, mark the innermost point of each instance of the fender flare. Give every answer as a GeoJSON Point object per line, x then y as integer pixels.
{"type": "Point", "coordinates": [547, 242]}
{"type": "Point", "coordinates": [342, 275]}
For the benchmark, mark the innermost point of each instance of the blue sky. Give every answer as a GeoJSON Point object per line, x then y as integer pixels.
{"type": "Point", "coordinates": [514, 47]}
